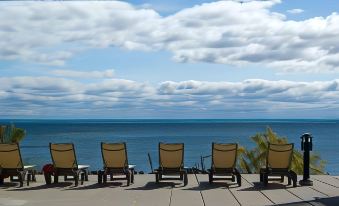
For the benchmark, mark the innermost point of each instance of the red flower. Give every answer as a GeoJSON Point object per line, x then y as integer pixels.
{"type": "Point", "coordinates": [48, 169]}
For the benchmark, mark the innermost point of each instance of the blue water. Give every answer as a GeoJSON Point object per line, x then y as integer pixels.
{"type": "Point", "coordinates": [142, 137]}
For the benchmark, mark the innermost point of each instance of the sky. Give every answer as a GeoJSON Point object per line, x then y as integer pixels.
{"type": "Point", "coordinates": [147, 59]}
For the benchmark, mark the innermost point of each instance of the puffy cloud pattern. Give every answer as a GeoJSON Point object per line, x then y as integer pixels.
{"type": "Point", "coordinates": [223, 32]}
{"type": "Point", "coordinates": [119, 98]}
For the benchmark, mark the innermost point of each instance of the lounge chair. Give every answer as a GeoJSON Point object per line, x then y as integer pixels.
{"type": "Point", "coordinates": [224, 160]}
{"type": "Point", "coordinates": [278, 162]}
{"type": "Point", "coordinates": [115, 160]}
{"type": "Point", "coordinates": [11, 163]}
{"type": "Point", "coordinates": [65, 163]}
{"type": "Point", "coordinates": [171, 162]}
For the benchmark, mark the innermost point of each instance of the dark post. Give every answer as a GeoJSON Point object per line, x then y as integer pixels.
{"type": "Point", "coordinates": [306, 146]}
{"type": "Point", "coordinates": [202, 164]}
{"type": "Point", "coordinates": [150, 162]}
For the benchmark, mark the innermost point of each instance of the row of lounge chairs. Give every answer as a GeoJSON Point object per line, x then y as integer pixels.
{"type": "Point", "coordinates": [171, 163]}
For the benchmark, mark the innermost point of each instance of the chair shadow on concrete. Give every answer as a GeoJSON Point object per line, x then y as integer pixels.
{"type": "Point", "coordinates": [97, 185]}
{"type": "Point", "coordinates": [60, 185]}
{"type": "Point", "coordinates": [155, 186]}
{"type": "Point", "coordinates": [258, 186]}
{"type": "Point", "coordinates": [215, 185]}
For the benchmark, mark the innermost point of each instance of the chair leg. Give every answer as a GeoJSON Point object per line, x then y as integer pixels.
{"type": "Point", "coordinates": [33, 176]}
{"type": "Point", "coordinates": [282, 178]}
{"type": "Point", "coordinates": [261, 177]}
{"type": "Point", "coordinates": [128, 177]}
{"type": "Point", "coordinates": [239, 180]}
{"type": "Point", "coordinates": [111, 177]}
{"type": "Point", "coordinates": [86, 175]}
{"type": "Point", "coordinates": [210, 177]}
{"type": "Point", "coordinates": [237, 174]}
{"type": "Point", "coordinates": [265, 179]}
{"type": "Point", "coordinates": [100, 177]}
{"type": "Point", "coordinates": [56, 178]}
{"type": "Point", "coordinates": [185, 179]}
{"type": "Point", "coordinates": [157, 177]}
{"type": "Point", "coordinates": [104, 177]}
{"type": "Point", "coordinates": [48, 178]}
{"type": "Point", "coordinates": [21, 179]}
{"type": "Point", "coordinates": [82, 178]}
{"type": "Point", "coordinates": [29, 177]}
{"type": "Point", "coordinates": [132, 177]}
{"type": "Point", "coordinates": [233, 178]}
{"type": "Point", "coordinates": [294, 178]}
{"type": "Point", "coordinates": [1, 180]}
{"type": "Point", "coordinates": [289, 179]}
{"type": "Point", "coordinates": [76, 179]}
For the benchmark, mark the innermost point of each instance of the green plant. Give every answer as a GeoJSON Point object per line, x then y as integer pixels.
{"type": "Point", "coordinates": [251, 160]}
{"type": "Point", "coordinates": [11, 134]}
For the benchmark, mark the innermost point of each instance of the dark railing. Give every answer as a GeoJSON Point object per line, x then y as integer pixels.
{"type": "Point", "coordinates": [202, 159]}
{"type": "Point", "coordinates": [150, 162]}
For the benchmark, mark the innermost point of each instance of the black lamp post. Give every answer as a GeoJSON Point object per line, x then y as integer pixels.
{"type": "Point", "coordinates": [306, 146]}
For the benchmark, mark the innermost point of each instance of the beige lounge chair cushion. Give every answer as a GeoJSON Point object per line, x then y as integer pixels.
{"type": "Point", "coordinates": [279, 155]}
{"type": "Point", "coordinates": [63, 156]}
{"type": "Point", "coordinates": [10, 156]}
{"type": "Point", "coordinates": [114, 155]}
{"type": "Point", "coordinates": [224, 155]}
{"type": "Point", "coordinates": [171, 155]}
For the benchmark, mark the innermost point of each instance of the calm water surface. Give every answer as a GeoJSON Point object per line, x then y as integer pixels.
{"type": "Point", "coordinates": [142, 137]}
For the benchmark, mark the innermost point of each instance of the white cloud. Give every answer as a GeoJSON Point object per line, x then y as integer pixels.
{"type": "Point", "coordinates": [36, 31]}
{"type": "Point", "coordinates": [120, 98]}
{"type": "Point", "coordinates": [295, 11]}
{"type": "Point", "coordinates": [223, 32]}
{"type": "Point", "coordinates": [83, 74]}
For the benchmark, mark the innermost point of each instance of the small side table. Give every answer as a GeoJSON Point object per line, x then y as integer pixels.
{"type": "Point", "coordinates": [131, 167]}
{"type": "Point", "coordinates": [84, 169]}
{"type": "Point", "coordinates": [30, 173]}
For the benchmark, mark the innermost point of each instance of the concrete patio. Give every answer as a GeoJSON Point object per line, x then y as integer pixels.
{"type": "Point", "coordinates": [198, 192]}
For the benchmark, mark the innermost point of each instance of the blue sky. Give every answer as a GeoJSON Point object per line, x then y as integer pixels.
{"type": "Point", "coordinates": [170, 59]}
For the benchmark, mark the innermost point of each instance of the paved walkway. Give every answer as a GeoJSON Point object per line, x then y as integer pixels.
{"type": "Point", "coordinates": [197, 193]}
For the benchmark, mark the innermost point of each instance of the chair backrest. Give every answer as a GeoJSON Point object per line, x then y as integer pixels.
{"type": "Point", "coordinates": [114, 155]}
{"type": "Point", "coordinates": [171, 155]}
{"type": "Point", "coordinates": [10, 157]}
{"type": "Point", "coordinates": [224, 155]}
{"type": "Point", "coordinates": [63, 155]}
{"type": "Point", "coordinates": [279, 156]}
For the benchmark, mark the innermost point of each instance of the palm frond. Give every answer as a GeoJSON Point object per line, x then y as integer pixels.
{"type": "Point", "coordinates": [10, 133]}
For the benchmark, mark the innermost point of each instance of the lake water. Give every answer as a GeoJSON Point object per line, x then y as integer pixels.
{"type": "Point", "coordinates": [143, 136]}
